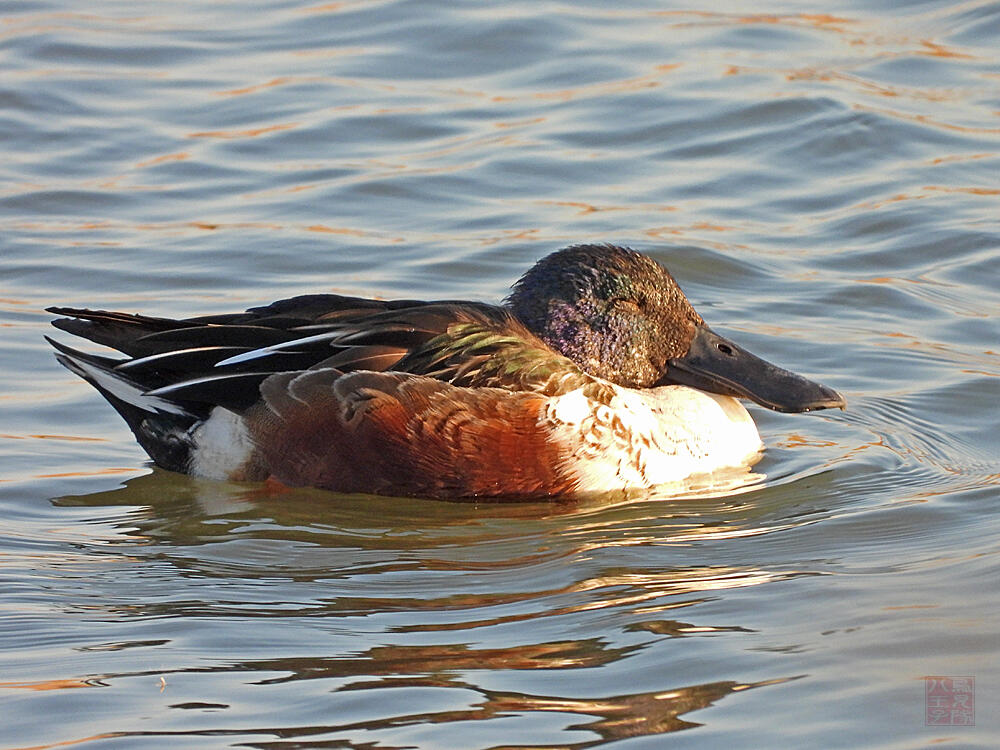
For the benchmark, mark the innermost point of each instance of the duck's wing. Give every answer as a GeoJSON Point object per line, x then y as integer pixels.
{"type": "Point", "coordinates": [495, 353]}
{"type": "Point", "coordinates": [221, 360]}
{"type": "Point", "coordinates": [285, 320]}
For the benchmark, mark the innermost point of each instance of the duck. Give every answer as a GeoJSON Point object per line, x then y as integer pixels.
{"type": "Point", "coordinates": [594, 375]}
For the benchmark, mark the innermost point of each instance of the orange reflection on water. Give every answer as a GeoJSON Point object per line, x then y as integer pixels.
{"type": "Point", "coordinates": [967, 190]}
{"type": "Point", "coordinates": [75, 438]}
{"type": "Point", "coordinates": [176, 156]}
{"type": "Point", "coordinates": [70, 743]}
{"type": "Point", "coordinates": [795, 440]}
{"type": "Point", "coordinates": [883, 202]}
{"type": "Point", "coordinates": [520, 123]}
{"type": "Point", "coordinates": [279, 81]}
{"type": "Point", "coordinates": [601, 88]}
{"type": "Point", "coordinates": [962, 157]}
{"type": "Point", "coordinates": [926, 120]}
{"type": "Point", "coordinates": [94, 473]}
{"type": "Point", "coordinates": [324, 8]}
{"type": "Point", "coordinates": [49, 685]}
{"type": "Point", "coordinates": [933, 49]}
{"type": "Point", "coordinates": [336, 230]}
{"type": "Point", "coordinates": [247, 133]}
{"type": "Point", "coordinates": [589, 208]}
{"type": "Point", "coordinates": [871, 87]}
{"type": "Point", "coordinates": [507, 235]}
{"type": "Point", "coordinates": [680, 229]}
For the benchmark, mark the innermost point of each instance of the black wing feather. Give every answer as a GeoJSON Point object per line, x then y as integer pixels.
{"type": "Point", "coordinates": [187, 359]}
{"type": "Point", "coordinates": [236, 392]}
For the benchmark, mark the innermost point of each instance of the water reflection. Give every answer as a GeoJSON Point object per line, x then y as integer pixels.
{"type": "Point", "coordinates": [611, 718]}
{"type": "Point", "coordinates": [182, 512]}
{"type": "Point", "coordinates": [375, 554]}
{"type": "Point", "coordinates": [614, 717]}
{"type": "Point", "coordinates": [437, 665]}
{"type": "Point", "coordinates": [410, 596]}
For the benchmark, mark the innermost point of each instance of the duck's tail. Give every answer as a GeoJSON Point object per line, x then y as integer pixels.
{"type": "Point", "coordinates": [162, 426]}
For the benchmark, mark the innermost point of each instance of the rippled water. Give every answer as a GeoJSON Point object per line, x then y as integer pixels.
{"type": "Point", "coordinates": [823, 184]}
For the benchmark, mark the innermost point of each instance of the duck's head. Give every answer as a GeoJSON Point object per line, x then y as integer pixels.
{"type": "Point", "coordinates": [622, 317]}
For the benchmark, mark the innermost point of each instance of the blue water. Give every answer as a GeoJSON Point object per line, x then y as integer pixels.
{"type": "Point", "coordinates": [821, 181]}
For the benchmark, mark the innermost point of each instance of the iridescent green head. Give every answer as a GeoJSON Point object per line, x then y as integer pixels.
{"type": "Point", "coordinates": [621, 316]}
{"type": "Point", "coordinates": [618, 314]}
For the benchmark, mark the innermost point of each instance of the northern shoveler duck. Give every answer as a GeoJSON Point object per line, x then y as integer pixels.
{"type": "Point", "coordinates": [596, 374]}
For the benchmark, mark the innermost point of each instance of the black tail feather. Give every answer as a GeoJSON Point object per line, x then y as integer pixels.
{"type": "Point", "coordinates": [161, 426]}
{"type": "Point", "coordinates": [118, 330]}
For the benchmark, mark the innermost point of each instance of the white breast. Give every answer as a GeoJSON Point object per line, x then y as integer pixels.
{"type": "Point", "coordinates": [645, 438]}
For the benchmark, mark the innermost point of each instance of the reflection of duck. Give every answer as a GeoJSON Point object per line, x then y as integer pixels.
{"type": "Point", "coordinates": [449, 666]}
{"type": "Point", "coordinates": [596, 375]}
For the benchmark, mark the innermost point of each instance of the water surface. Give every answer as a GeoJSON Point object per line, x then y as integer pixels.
{"type": "Point", "coordinates": [822, 183]}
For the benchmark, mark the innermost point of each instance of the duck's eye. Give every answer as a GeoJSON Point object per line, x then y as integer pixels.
{"type": "Point", "coordinates": [624, 305]}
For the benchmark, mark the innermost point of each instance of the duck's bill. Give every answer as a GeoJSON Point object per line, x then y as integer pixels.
{"type": "Point", "coordinates": [717, 365]}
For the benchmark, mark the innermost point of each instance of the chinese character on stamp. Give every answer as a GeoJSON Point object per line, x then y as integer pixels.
{"type": "Point", "coordinates": [950, 701]}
